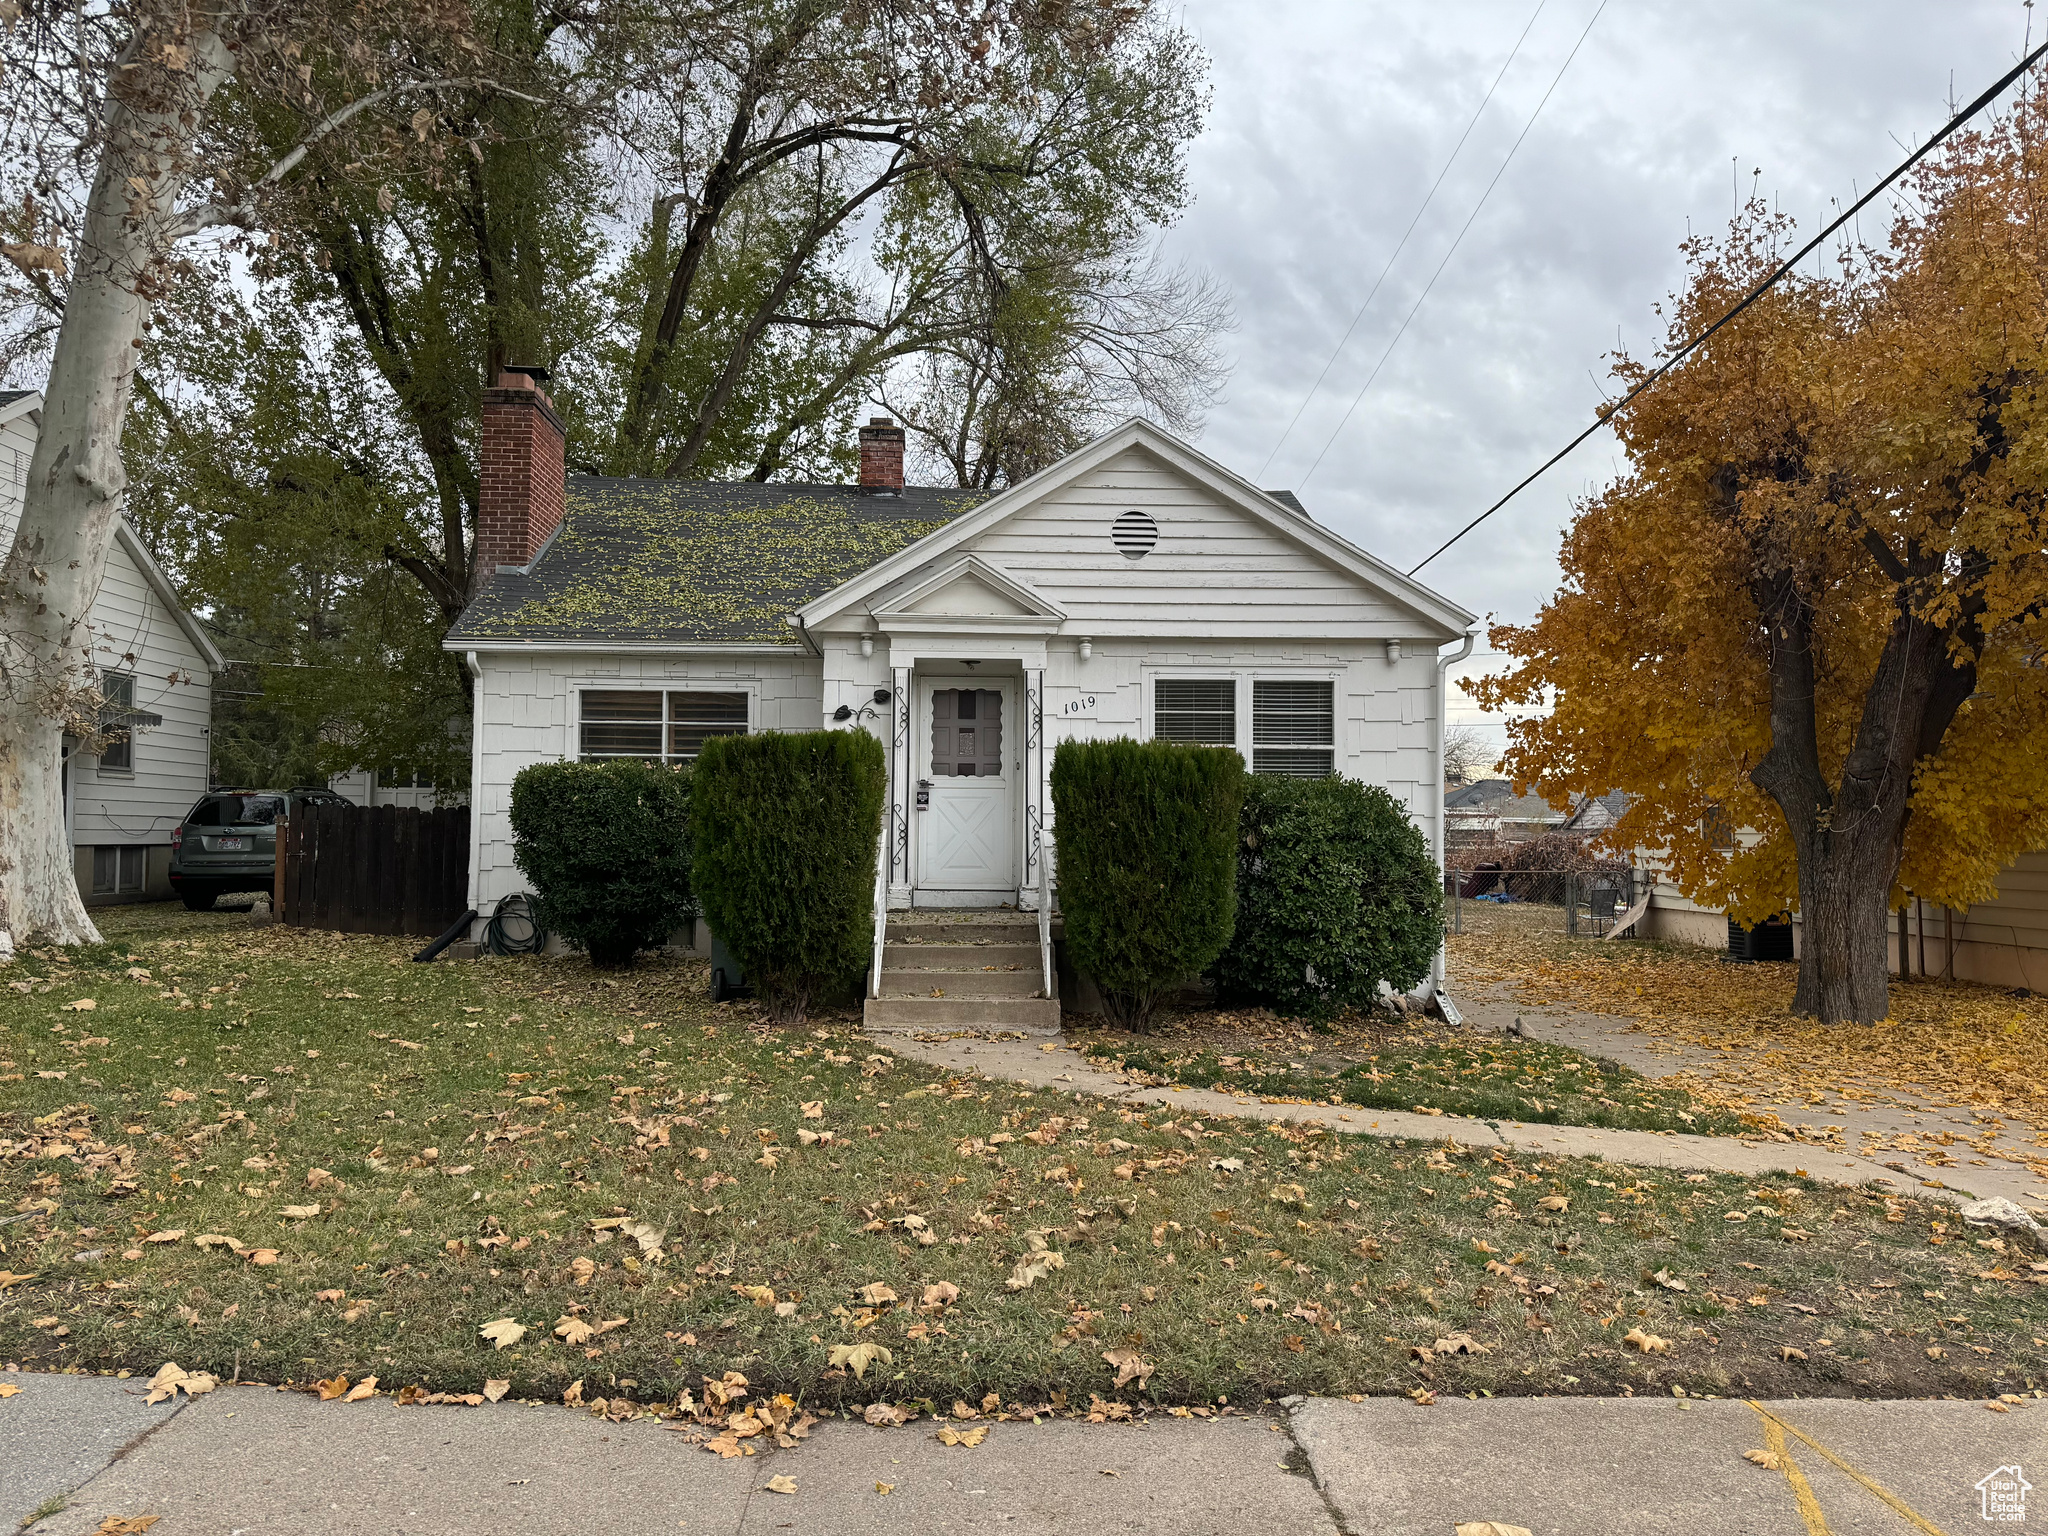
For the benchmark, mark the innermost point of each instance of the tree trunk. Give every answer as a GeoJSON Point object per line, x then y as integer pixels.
{"type": "Point", "coordinates": [1845, 884]}
{"type": "Point", "coordinates": [53, 571]}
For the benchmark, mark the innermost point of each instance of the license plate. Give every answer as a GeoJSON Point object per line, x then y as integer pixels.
{"type": "Point", "coordinates": [230, 844]}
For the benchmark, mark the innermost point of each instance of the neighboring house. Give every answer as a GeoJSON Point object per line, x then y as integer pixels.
{"type": "Point", "coordinates": [157, 667]}
{"type": "Point", "coordinates": [1135, 588]}
{"type": "Point", "coordinates": [1488, 813]}
{"type": "Point", "coordinates": [411, 790]}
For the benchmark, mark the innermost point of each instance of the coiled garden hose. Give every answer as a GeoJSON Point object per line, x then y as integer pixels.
{"type": "Point", "coordinates": [513, 929]}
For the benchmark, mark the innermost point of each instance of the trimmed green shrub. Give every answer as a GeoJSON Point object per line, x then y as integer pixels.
{"type": "Point", "coordinates": [1336, 893]}
{"type": "Point", "coordinates": [1147, 863]}
{"type": "Point", "coordinates": [607, 847]}
{"type": "Point", "coordinates": [786, 830]}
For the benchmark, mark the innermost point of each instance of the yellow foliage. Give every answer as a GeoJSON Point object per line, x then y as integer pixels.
{"type": "Point", "coordinates": [1849, 479]}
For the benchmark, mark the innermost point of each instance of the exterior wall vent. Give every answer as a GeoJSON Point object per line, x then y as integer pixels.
{"type": "Point", "coordinates": [1134, 533]}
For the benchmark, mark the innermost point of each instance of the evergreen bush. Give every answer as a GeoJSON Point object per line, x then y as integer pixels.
{"type": "Point", "coordinates": [607, 847]}
{"type": "Point", "coordinates": [1147, 844]}
{"type": "Point", "coordinates": [1336, 893]}
{"type": "Point", "coordinates": [786, 828]}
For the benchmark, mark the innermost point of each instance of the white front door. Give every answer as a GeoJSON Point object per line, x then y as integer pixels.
{"type": "Point", "coordinates": [964, 808]}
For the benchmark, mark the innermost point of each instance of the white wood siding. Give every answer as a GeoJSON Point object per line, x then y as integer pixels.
{"type": "Point", "coordinates": [1213, 572]}
{"type": "Point", "coordinates": [526, 713]}
{"type": "Point", "coordinates": [133, 630]}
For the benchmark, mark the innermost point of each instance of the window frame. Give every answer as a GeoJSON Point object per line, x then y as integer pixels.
{"type": "Point", "coordinates": [119, 855]}
{"type": "Point", "coordinates": [125, 737]}
{"type": "Point", "coordinates": [661, 689]}
{"type": "Point", "coordinates": [1245, 680]}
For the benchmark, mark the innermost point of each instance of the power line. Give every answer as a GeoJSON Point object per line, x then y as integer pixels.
{"type": "Point", "coordinates": [1758, 292]}
{"type": "Point", "coordinates": [1439, 272]}
{"type": "Point", "coordinates": [1336, 351]}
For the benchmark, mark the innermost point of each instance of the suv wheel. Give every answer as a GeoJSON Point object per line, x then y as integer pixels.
{"type": "Point", "coordinates": [199, 898]}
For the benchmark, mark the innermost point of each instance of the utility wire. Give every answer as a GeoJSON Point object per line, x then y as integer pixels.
{"type": "Point", "coordinates": [1758, 292]}
{"type": "Point", "coordinates": [1439, 272]}
{"type": "Point", "coordinates": [1337, 350]}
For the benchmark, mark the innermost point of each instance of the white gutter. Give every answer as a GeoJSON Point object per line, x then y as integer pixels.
{"type": "Point", "coordinates": [1443, 666]}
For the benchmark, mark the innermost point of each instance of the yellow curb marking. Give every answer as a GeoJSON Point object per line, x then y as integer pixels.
{"type": "Point", "coordinates": [1775, 1430]}
{"type": "Point", "coordinates": [1802, 1492]}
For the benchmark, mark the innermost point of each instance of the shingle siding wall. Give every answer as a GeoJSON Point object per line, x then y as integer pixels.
{"type": "Point", "coordinates": [526, 712]}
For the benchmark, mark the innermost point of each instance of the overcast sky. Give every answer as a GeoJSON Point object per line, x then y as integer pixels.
{"type": "Point", "coordinates": [1330, 121]}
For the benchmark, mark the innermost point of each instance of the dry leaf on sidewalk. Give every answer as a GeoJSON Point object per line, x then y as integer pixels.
{"type": "Point", "coordinates": [1770, 1461]}
{"type": "Point", "coordinates": [781, 1482]}
{"type": "Point", "coordinates": [114, 1525]}
{"type": "Point", "coordinates": [1490, 1528]}
{"type": "Point", "coordinates": [970, 1438]}
{"type": "Point", "coordinates": [366, 1388]}
{"type": "Point", "coordinates": [333, 1387]}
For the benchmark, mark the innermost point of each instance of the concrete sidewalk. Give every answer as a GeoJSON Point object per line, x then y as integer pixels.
{"type": "Point", "coordinates": [1063, 1067]}
{"type": "Point", "coordinates": [257, 1462]}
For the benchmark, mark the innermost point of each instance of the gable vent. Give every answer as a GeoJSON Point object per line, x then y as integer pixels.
{"type": "Point", "coordinates": [1134, 533]}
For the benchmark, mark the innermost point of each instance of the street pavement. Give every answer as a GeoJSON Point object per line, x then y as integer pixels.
{"type": "Point", "coordinates": [252, 1461]}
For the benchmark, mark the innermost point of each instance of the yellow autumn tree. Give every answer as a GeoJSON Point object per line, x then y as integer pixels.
{"type": "Point", "coordinates": [1813, 603]}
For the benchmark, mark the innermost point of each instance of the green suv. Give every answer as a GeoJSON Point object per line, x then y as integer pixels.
{"type": "Point", "coordinates": [228, 841]}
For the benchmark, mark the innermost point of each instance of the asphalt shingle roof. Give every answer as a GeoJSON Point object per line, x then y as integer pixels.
{"type": "Point", "coordinates": [697, 561]}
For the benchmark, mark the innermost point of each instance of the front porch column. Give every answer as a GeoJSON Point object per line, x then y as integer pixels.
{"type": "Point", "coordinates": [902, 774]}
{"type": "Point", "coordinates": [1034, 783]}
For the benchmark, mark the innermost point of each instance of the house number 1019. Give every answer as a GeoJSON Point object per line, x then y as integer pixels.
{"type": "Point", "coordinates": [1084, 705]}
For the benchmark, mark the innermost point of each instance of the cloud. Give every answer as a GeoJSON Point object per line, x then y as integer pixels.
{"type": "Point", "coordinates": [1329, 122]}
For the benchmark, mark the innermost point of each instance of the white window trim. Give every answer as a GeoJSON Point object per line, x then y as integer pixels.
{"type": "Point", "coordinates": [1244, 677]}
{"type": "Point", "coordinates": [574, 746]}
{"type": "Point", "coordinates": [119, 770]}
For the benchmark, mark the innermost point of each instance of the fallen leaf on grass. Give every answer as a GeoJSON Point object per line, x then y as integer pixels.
{"type": "Point", "coordinates": [258, 1256]}
{"type": "Point", "coordinates": [970, 1438]}
{"type": "Point", "coordinates": [1554, 1203]}
{"type": "Point", "coordinates": [300, 1212]}
{"type": "Point", "coordinates": [877, 1294]}
{"type": "Point", "coordinates": [1129, 1367]}
{"type": "Point", "coordinates": [573, 1393]}
{"type": "Point", "coordinates": [1033, 1267]}
{"type": "Point", "coordinates": [215, 1240]}
{"type": "Point", "coordinates": [1648, 1343]}
{"type": "Point", "coordinates": [1664, 1278]}
{"type": "Point", "coordinates": [1789, 1353]}
{"type": "Point", "coordinates": [503, 1332]}
{"type": "Point", "coordinates": [814, 1109]}
{"type": "Point", "coordinates": [9, 1277]}
{"type": "Point", "coordinates": [942, 1293]}
{"type": "Point", "coordinates": [860, 1356]}
{"type": "Point", "coordinates": [83, 1005]}
{"type": "Point", "coordinates": [329, 1295]}
{"type": "Point", "coordinates": [175, 1234]}
{"type": "Point", "coordinates": [781, 1482]}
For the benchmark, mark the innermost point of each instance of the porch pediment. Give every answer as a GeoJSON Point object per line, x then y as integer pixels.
{"type": "Point", "coordinates": [968, 593]}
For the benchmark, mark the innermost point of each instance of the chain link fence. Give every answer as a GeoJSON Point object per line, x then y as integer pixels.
{"type": "Point", "coordinates": [1576, 903]}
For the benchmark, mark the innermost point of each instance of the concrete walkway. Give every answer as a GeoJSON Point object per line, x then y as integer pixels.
{"type": "Point", "coordinates": [1057, 1065]}
{"type": "Point", "coordinates": [253, 1461]}
{"type": "Point", "coordinates": [1861, 1123]}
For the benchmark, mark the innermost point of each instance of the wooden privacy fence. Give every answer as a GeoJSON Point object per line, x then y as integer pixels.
{"type": "Point", "coordinates": [372, 869]}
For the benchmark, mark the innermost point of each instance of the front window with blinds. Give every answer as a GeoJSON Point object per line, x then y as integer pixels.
{"type": "Point", "coordinates": [1294, 728]}
{"type": "Point", "coordinates": [667, 727]}
{"type": "Point", "coordinates": [1199, 709]}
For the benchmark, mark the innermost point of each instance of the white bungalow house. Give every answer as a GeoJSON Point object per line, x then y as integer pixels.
{"type": "Point", "coordinates": [1135, 588]}
{"type": "Point", "coordinates": [156, 670]}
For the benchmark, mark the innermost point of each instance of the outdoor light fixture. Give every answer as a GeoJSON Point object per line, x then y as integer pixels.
{"type": "Point", "coordinates": [867, 646]}
{"type": "Point", "coordinates": [846, 711]}
{"type": "Point", "coordinates": [1087, 649]}
{"type": "Point", "coordinates": [1393, 652]}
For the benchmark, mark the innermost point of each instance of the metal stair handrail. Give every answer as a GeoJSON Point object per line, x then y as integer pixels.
{"type": "Point", "coordinates": [881, 917]}
{"type": "Point", "coordinates": [1045, 910]}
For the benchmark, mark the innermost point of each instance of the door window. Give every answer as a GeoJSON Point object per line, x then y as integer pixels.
{"type": "Point", "coordinates": [967, 733]}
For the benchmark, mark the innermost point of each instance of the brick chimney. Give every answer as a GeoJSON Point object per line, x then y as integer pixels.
{"type": "Point", "coordinates": [520, 476]}
{"type": "Point", "coordinates": [881, 457]}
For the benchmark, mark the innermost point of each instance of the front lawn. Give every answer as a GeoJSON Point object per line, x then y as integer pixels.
{"type": "Point", "coordinates": [1414, 1065]}
{"type": "Point", "coordinates": [299, 1155]}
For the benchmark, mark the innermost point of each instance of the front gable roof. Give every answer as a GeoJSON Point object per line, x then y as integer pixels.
{"type": "Point", "coordinates": [1282, 517]}
{"type": "Point", "coordinates": [967, 592]}
{"type": "Point", "coordinates": [694, 562]}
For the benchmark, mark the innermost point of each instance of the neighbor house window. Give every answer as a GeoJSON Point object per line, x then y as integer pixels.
{"type": "Point", "coordinates": [404, 778]}
{"type": "Point", "coordinates": [118, 871]}
{"type": "Point", "coordinates": [1200, 709]}
{"type": "Point", "coordinates": [661, 727]}
{"type": "Point", "coordinates": [1294, 727]}
{"type": "Point", "coordinates": [118, 690]}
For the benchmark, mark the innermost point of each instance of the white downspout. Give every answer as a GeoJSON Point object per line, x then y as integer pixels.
{"type": "Point", "coordinates": [474, 667]}
{"type": "Point", "coordinates": [1443, 666]}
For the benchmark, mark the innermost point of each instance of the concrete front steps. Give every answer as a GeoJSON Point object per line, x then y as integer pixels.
{"type": "Point", "coordinates": [979, 970]}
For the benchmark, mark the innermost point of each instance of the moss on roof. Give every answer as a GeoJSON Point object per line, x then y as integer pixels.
{"type": "Point", "coordinates": [698, 561]}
